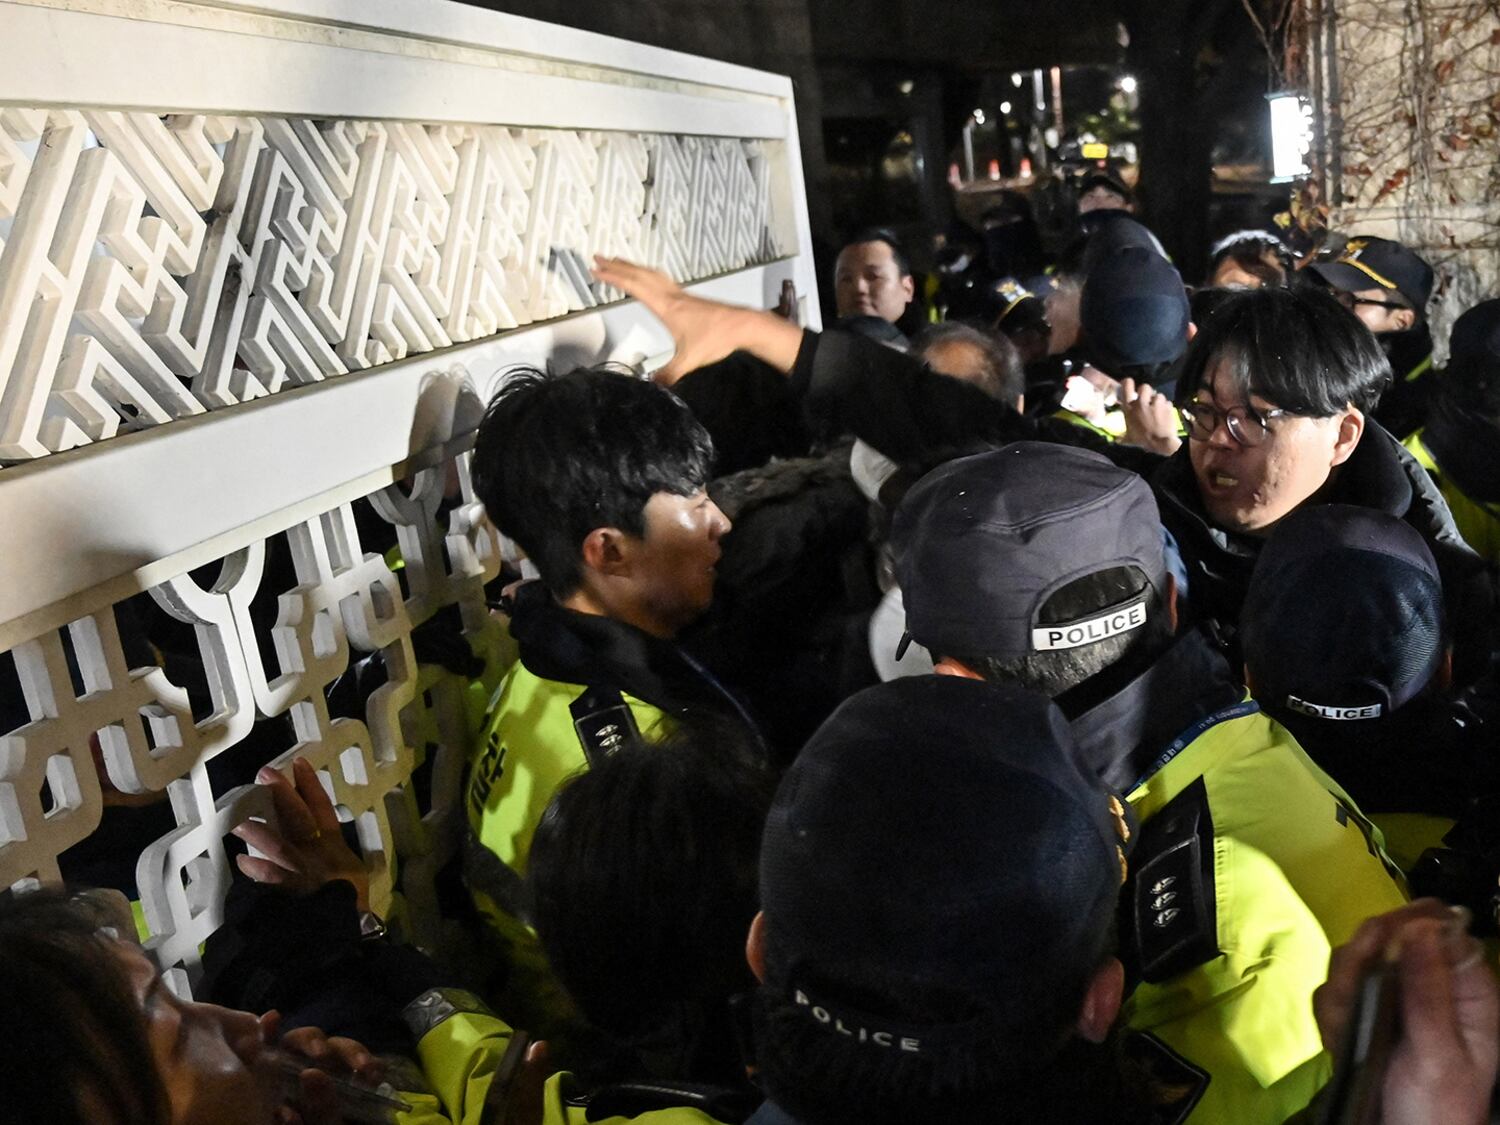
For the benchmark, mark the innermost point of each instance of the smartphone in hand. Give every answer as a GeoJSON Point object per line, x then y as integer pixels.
{"type": "Point", "coordinates": [1353, 1094]}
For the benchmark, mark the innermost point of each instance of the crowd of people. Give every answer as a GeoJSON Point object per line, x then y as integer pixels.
{"type": "Point", "coordinates": [1079, 709]}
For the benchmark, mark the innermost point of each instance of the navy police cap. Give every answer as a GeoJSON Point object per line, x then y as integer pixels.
{"type": "Point", "coordinates": [983, 542]}
{"type": "Point", "coordinates": [1343, 618]}
{"type": "Point", "coordinates": [938, 832]}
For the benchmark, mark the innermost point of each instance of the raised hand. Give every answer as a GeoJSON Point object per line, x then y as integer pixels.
{"type": "Point", "coordinates": [1150, 418]}
{"type": "Point", "coordinates": [306, 849]}
{"type": "Point", "coordinates": [703, 331]}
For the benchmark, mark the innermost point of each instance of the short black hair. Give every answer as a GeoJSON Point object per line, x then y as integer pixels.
{"type": "Point", "coordinates": [558, 456]}
{"type": "Point", "coordinates": [644, 878]}
{"type": "Point", "coordinates": [889, 237]}
{"type": "Point", "coordinates": [1297, 348]}
{"type": "Point", "coordinates": [1002, 377]}
{"type": "Point", "coordinates": [77, 1036]}
{"type": "Point", "coordinates": [1205, 302]}
{"type": "Point", "coordinates": [1053, 673]}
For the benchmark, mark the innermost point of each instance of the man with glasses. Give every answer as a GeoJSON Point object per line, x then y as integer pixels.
{"type": "Point", "coordinates": [1387, 286]}
{"type": "Point", "coordinates": [1277, 388]}
{"type": "Point", "coordinates": [1276, 394]}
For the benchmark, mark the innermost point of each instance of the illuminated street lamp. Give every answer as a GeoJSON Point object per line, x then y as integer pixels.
{"type": "Point", "coordinates": [1291, 135]}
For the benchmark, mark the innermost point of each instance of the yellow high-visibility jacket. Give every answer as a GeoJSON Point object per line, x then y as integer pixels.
{"type": "Point", "coordinates": [1253, 865]}
{"type": "Point", "coordinates": [460, 1045]}
{"type": "Point", "coordinates": [1477, 522]}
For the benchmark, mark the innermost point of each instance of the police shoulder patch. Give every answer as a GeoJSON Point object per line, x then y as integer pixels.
{"type": "Point", "coordinates": [604, 723]}
{"type": "Point", "coordinates": [1171, 922]}
{"type": "Point", "coordinates": [1169, 1084]}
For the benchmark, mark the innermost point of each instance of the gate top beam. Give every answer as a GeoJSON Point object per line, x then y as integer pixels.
{"type": "Point", "coordinates": [427, 60]}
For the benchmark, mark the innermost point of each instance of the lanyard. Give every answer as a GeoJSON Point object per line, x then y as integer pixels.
{"type": "Point", "coordinates": [1187, 737]}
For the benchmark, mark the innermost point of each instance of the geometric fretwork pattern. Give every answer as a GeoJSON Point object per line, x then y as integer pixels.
{"type": "Point", "coordinates": [297, 646]}
{"type": "Point", "coordinates": [157, 266]}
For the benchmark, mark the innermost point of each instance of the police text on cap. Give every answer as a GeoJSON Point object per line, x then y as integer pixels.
{"type": "Point", "coordinates": [1342, 714]}
{"type": "Point", "coordinates": [1074, 634]}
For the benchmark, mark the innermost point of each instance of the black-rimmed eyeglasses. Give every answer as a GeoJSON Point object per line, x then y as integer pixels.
{"type": "Point", "coordinates": [1350, 301]}
{"type": "Point", "coordinates": [1245, 424]}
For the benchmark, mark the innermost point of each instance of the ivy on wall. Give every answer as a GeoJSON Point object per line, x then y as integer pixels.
{"type": "Point", "coordinates": [1410, 131]}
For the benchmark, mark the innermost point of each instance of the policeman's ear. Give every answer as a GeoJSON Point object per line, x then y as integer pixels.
{"type": "Point", "coordinates": [1403, 319]}
{"type": "Point", "coordinates": [1101, 1003]}
{"type": "Point", "coordinates": [607, 550]}
{"type": "Point", "coordinates": [1351, 429]}
{"type": "Point", "coordinates": [755, 946]}
{"type": "Point", "coordinates": [909, 287]}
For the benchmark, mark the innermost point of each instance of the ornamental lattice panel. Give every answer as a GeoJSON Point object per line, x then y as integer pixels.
{"type": "Point", "coordinates": [253, 296]}
{"type": "Point", "coordinates": [157, 266]}
{"type": "Point", "coordinates": [249, 677]}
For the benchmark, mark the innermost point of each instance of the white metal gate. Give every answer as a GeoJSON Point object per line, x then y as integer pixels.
{"type": "Point", "coordinates": [259, 262]}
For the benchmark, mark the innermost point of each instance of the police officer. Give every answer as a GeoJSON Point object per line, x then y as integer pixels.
{"type": "Point", "coordinates": [939, 879]}
{"type": "Point", "coordinates": [920, 957]}
{"type": "Point", "coordinates": [1460, 443]}
{"type": "Point", "coordinates": [599, 477]}
{"type": "Point", "coordinates": [1043, 566]}
{"type": "Point", "coordinates": [462, 1047]}
{"type": "Point", "coordinates": [455, 1060]}
{"type": "Point", "coordinates": [1133, 322]}
{"type": "Point", "coordinates": [1346, 645]}
{"type": "Point", "coordinates": [1273, 392]}
{"type": "Point", "coordinates": [1387, 285]}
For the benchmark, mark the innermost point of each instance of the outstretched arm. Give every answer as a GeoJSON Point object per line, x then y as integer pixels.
{"type": "Point", "coordinates": [703, 331]}
{"type": "Point", "coordinates": [849, 384]}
